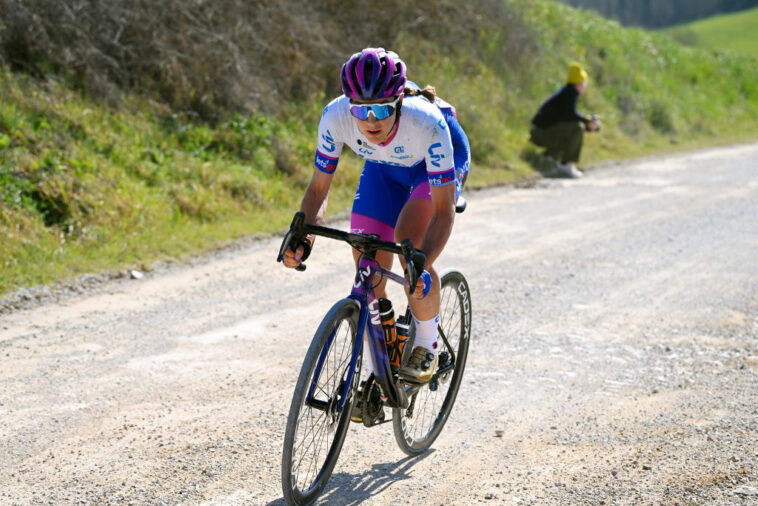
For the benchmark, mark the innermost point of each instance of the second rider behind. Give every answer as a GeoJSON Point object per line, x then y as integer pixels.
{"type": "Point", "coordinates": [417, 159]}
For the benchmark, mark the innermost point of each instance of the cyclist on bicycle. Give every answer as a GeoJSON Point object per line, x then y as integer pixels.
{"type": "Point", "coordinates": [417, 159]}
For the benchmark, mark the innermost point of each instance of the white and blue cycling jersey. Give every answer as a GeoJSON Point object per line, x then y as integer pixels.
{"type": "Point", "coordinates": [428, 148]}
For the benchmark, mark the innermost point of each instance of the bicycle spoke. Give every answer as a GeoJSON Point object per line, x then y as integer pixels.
{"type": "Point", "coordinates": [316, 424]}
{"type": "Point", "coordinates": [312, 439]}
{"type": "Point", "coordinates": [417, 430]}
{"type": "Point", "coordinates": [312, 446]}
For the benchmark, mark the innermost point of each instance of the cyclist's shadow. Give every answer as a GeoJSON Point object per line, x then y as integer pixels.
{"type": "Point", "coordinates": [351, 489]}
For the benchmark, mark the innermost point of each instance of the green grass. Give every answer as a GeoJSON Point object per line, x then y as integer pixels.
{"type": "Point", "coordinates": [90, 187]}
{"type": "Point", "coordinates": [737, 32]}
{"type": "Point", "coordinates": [87, 188]}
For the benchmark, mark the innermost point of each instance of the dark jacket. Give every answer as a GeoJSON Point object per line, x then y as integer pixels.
{"type": "Point", "coordinates": [560, 107]}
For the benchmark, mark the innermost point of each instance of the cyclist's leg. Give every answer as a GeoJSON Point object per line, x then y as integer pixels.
{"type": "Point", "coordinates": [361, 224]}
{"type": "Point", "coordinates": [412, 223]}
{"type": "Point", "coordinates": [381, 194]}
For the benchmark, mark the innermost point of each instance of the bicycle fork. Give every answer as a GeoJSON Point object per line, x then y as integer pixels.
{"type": "Point", "coordinates": [395, 394]}
{"type": "Point", "coordinates": [330, 405]}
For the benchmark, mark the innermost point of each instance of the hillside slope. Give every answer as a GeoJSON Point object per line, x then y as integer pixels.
{"type": "Point", "coordinates": [731, 32]}
{"type": "Point", "coordinates": [94, 180]}
{"type": "Point", "coordinates": [656, 14]}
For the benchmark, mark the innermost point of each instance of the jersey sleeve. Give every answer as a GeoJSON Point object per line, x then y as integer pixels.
{"type": "Point", "coordinates": [329, 146]}
{"type": "Point", "coordinates": [440, 165]}
{"type": "Point", "coordinates": [461, 146]}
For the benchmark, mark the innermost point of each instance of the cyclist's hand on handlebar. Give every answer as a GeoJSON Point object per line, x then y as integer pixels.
{"type": "Point", "coordinates": [293, 259]}
{"type": "Point", "coordinates": [423, 285]}
{"type": "Point", "coordinates": [296, 246]}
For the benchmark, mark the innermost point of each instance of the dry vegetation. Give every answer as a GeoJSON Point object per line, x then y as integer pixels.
{"type": "Point", "coordinates": [215, 56]}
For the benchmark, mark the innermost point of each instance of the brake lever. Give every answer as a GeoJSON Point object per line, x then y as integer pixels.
{"type": "Point", "coordinates": [414, 263]}
{"type": "Point", "coordinates": [293, 236]}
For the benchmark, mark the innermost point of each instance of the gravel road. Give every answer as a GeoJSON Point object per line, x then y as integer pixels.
{"type": "Point", "coordinates": [614, 359]}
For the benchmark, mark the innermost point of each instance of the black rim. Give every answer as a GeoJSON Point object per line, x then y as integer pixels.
{"type": "Point", "coordinates": [315, 437]}
{"type": "Point", "coordinates": [419, 425]}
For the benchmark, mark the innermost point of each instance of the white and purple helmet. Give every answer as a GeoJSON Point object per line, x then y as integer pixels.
{"type": "Point", "coordinates": [373, 73]}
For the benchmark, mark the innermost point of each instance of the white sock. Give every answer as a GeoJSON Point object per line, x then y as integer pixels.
{"type": "Point", "coordinates": [426, 333]}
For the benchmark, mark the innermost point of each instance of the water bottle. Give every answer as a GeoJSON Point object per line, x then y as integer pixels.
{"type": "Point", "coordinates": [387, 316]}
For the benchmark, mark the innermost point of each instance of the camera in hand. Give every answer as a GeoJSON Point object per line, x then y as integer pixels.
{"type": "Point", "coordinates": [596, 119]}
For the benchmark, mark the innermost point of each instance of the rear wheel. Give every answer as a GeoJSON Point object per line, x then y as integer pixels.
{"type": "Point", "coordinates": [418, 426]}
{"type": "Point", "coordinates": [316, 426]}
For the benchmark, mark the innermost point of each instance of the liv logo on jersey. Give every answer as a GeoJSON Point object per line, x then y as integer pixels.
{"type": "Point", "coordinates": [325, 163]}
{"type": "Point", "coordinates": [328, 143]}
{"type": "Point", "coordinates": [434, 157]}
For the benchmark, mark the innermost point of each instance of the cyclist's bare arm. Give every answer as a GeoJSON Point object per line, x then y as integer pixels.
{"type": "Point", "coordinates": [314, 206]}
{"type": "Point", "coordinates": [434, 239]}
{"type": "Point", "coordinates": [441, 223]}
{"type": "Point", "coordinates": [316, 197]}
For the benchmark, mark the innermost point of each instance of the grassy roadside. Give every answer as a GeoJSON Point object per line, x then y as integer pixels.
{"type": "Point", "coordinates": [90, 187]}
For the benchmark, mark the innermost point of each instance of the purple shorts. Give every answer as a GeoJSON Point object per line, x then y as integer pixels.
{"type": "Point", "coordinates": [382, 192]}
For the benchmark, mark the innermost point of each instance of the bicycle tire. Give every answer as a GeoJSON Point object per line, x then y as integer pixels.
{"type": "Point", "coordinates": [314, 436]}
{"type": "Point", "coordinates": [417, 427]}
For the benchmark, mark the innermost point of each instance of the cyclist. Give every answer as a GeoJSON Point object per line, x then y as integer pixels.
{"type": "Point", "coordinates": [417, 158]}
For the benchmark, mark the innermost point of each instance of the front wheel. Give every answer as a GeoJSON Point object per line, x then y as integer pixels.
{"type": "Point", "coordinates": [418, 426]}
{"type": "Point", "coordinates": [316, 426]}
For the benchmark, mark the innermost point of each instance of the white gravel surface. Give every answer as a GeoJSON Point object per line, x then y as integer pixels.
{"type": "Point", "coordinates": [614, 359]}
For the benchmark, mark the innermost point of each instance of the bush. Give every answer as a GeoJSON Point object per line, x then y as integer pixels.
{"type": "Point", "coordinates": [216, 58]}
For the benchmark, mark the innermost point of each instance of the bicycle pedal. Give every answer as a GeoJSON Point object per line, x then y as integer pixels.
{"type": "Point", "coordinates": [356, 412]}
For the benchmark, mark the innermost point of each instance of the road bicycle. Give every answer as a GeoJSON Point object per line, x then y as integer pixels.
{"type": "Point", "coordinates": [329, 391]}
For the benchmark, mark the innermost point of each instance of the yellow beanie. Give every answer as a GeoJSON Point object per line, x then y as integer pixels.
{"type": "Point", "coordinates": [576, 74]}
